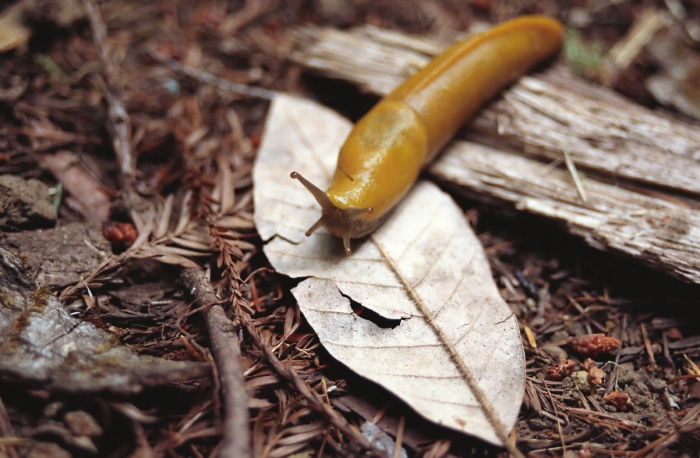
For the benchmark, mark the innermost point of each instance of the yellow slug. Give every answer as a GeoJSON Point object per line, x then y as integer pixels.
{"type": "Point", "coordinates": [386, 150]}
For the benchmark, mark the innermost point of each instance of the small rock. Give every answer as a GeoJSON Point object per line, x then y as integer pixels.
{"type": "Point", "coordinates": [24, 203]}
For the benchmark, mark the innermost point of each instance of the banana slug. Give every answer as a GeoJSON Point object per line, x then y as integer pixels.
{"type": "Point", "coordinates": [386, 150]}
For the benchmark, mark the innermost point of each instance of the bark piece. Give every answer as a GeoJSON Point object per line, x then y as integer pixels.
{"type": "Point", "coordinates": [41, 344]}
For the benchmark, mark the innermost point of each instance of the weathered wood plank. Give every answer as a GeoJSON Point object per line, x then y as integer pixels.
{"type": "Point", "coordinates": [661, 234]}
{"type": "Point", "coordinates": [542, 116]}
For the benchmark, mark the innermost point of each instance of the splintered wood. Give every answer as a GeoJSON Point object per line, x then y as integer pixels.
{"type": "Point", "coordinates": [642, 169]}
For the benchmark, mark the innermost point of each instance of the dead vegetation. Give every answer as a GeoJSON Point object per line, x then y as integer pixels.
{"type": "Point", "coordinates": [127, 112]}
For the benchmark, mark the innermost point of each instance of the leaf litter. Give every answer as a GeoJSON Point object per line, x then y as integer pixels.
{"type": "Point", "coordinates": [195, 145]}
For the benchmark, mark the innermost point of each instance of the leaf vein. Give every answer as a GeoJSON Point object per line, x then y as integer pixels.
{"type": "Point", "coordinates": [488, 408]}
{"type": "Point", "coordinates": [419, 234]}
{"type": "Point", "coordinates": [435, 262]}
{"type": "Point", "coordinates": [381, 347]}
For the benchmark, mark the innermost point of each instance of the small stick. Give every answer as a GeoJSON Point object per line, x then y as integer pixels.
{"type": "Point", "coordinates": [226, 346]}
{"type": "Point", "coordinates": [624, 52]}
{"type": "Point", "coordinates": [119, 124]}
{"type": "Point", "coordinates": [647, 345]}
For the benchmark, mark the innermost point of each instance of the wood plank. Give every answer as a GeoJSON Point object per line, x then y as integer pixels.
{"type": "Point", "coordinates": [615, 141]}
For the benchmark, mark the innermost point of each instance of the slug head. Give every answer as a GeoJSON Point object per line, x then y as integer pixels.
{"type": "Point", "coordinates": [345, 223]}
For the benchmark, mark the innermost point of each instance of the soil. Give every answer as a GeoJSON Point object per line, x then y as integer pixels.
{"type": "Point", "coordinates": [188, 205]}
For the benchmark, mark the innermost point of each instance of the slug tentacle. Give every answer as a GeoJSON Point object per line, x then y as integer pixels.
{"type": "Point", "coordinates": [315, 191]}
{"type": "Point", "coordinates": [313, 228]}
{"type": "Point", "coordinates": [345, 223]}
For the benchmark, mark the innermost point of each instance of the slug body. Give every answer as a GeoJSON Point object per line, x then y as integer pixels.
{"type": "Point", "coordinates": [386, 150]}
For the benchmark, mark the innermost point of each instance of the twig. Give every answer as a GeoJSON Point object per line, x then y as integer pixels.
{"type": "Point", "coordinates": [225, 344]}
{"type": "Point", "coordinates": [315, 400]}
{"type": "Point", "coordinates": [119, 124]}
{"type": "Point", "coordinates": [209, 78]}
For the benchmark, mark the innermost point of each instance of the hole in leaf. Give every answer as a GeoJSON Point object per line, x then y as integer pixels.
{"type": "Point", "coordinates": [368, 314]}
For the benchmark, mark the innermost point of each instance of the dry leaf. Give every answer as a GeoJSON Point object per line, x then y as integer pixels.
{"type": "Point", "coordinates": [424, 267]}
{"type": "Point", "coordinates": [88, 195]}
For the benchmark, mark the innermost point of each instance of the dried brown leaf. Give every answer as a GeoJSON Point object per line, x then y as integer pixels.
{"type": "Point", "coordinates": [454, 352]}
{"type": "Point", "coordinates": [88, 195]}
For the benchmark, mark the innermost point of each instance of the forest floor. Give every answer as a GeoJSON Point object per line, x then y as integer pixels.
{"type": "Point", "coordinates": [104, 147]}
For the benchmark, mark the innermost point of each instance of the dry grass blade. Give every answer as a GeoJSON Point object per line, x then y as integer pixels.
{"type": "Point", "coordinates": [575, 176]}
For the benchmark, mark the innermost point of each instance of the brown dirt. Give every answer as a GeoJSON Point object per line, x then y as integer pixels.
{"type": "Point", "coordinates": [197, 144]}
